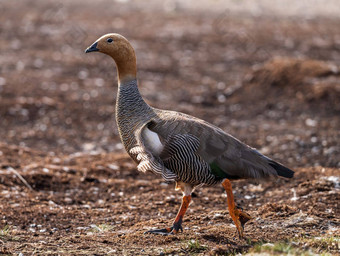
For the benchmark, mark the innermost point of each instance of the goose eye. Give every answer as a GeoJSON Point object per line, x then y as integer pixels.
{"type": "Point", "coordinates": [109, 40]}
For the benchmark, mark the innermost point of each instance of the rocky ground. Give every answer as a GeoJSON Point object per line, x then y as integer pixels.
{"type": "Point", "coordinates": [68, 188]}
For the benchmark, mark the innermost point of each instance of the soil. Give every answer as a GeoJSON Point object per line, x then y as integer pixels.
{"type": "Point", "coordinates": [68, 188]}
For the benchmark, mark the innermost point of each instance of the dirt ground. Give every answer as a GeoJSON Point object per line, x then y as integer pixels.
{"type": "Point", "coordinates": [68, 188]}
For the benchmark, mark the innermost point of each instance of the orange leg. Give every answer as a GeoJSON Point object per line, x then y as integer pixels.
{"type": "Point", "coordinates": [239, 217]}
{"type": "Point", "coordinates": [177, 225]}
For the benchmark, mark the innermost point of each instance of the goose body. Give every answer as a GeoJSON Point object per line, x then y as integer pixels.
{"type": "Point", "coordinates": [177, 146]}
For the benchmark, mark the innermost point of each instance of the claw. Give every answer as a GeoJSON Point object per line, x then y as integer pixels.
{"type": "Point", "coordinates": [240, 218]}
{"type": "Point", "coordinates": [177, 225]}
{"type": "Point", "coordinates": [166, 231]}
{"type": "Point", "coordinates": [163, 231]}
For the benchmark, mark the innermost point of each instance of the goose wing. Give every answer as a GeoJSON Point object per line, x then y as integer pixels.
{"type": "Point", "coordinates": [146, 152]}
{"type": "Point", "coordinates": [227, 156]}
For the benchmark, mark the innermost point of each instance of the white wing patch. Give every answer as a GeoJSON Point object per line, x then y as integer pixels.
{"type": "Point", "coordinates": [147, 153]}
{"type": "Point", "coordinates": [152, 141]}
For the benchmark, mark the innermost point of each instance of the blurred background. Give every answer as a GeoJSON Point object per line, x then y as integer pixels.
{"type": "Point", "coordinates": [265, 71]}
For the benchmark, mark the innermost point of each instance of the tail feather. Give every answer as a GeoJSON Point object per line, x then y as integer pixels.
{"type": "Point", "coordinates": [281, 170]}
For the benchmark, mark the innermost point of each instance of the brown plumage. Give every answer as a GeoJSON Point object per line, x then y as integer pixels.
{"type": "Point", "coordinates": [177, 146]}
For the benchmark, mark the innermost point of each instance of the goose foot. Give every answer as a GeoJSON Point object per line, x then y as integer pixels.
{"type": "Point", "coordinates": [236, 213]}
{"type": "Point", "coordinates": [177, 224]}
{"type": "Point", "coordinates": [240, 218]}
{"type": "Point", "coordinates": [166, 231]}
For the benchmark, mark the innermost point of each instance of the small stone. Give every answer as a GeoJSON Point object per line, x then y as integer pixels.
{"type": "Point", "coordinates": [311, 122]}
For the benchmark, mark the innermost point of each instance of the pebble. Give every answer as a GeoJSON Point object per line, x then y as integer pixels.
{"type": "Point", "coordinates": [311, 122]}
{"type": "Point", "coordinates": [114, 167]}
{"type": "Point", "coordinates": [68, 200]}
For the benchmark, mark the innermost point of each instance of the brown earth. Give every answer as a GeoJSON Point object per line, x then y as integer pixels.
{"type": "Point", "coordinates": [68, 188]}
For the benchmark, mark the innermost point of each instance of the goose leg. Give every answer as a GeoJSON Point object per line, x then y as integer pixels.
{"type": "Point", "coordinates": [177, 225]}
{"type": "Point", "coordinates": [239, 217]}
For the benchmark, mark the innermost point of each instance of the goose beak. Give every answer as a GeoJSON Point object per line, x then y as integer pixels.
{"type": "Point", "coordinates": [92, 48]}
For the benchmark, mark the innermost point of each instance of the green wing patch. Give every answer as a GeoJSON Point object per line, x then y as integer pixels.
{"type": "Point", "coordinates": [218, 172]}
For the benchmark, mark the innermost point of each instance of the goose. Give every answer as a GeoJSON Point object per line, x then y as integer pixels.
{"type": "Point", "coordinates": [179, 147]}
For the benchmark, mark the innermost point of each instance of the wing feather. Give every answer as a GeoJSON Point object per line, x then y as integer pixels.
{"type": "Point", "coordinates": [147, 161]}
{"type": "Point", "coordinates": [232, 156]}
{"type": "Point", "coordinates": [180, 155]}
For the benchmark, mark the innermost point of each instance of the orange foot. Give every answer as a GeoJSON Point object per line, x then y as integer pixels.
{"type": "Point", "coordinates": [237, 214]}
{"type": "Point", "coordinates": [240, 218]}
{"type": "Point", "coordinates": [177, 225]}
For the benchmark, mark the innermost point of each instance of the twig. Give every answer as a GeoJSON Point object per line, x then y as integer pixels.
{"type": "Point", "coordinates": [20, 177]}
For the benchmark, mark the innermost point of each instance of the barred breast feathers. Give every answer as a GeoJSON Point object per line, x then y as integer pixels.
{"type": "Point", "coordinates": [132, 112]}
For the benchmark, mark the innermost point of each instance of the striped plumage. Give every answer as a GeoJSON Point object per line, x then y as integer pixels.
{"type": "Point", "coordinates": [179, 155]}
{"type": "Point", "coordinates": [178, 160]}
{"type": "Point", "coordinates": [191, 145]}
{"type": "Point", "coordinates": [177, 146]}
